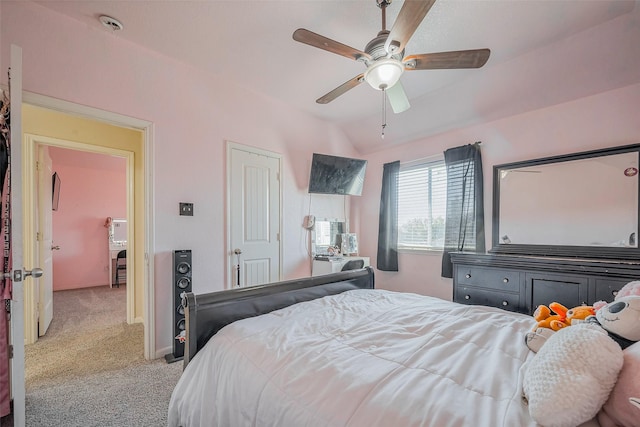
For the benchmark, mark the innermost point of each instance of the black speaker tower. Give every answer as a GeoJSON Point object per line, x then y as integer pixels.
{"type": "Point", "coordinates": [182, 270]}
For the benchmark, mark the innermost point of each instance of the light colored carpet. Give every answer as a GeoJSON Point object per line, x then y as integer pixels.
{"type": "Point", "coordinates": [130, 397]}
{"type": "Point", "coordinates": [89, 369]}
{"type": "Point", "coordinates": [88, 334]}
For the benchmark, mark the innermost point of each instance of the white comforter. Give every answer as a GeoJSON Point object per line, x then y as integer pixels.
{"type": "Point", "coordinates": [361, 358]}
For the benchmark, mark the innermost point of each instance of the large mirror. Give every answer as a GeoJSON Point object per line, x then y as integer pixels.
{"type": "Point", "coordinates": [326, 233]}
{"type": "Point", "coordinates": [584, 204]}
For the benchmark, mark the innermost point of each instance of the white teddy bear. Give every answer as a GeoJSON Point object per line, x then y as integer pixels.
{"type": "Point", "coordinates": [571, 376]}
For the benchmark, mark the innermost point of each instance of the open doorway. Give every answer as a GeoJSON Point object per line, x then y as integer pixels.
{"type": "Point", "coordinates": [91, 318]}
{"type": "Point", "coordinates": [86, 138]}
{"type": "Point", "coordinates": [49, 124]}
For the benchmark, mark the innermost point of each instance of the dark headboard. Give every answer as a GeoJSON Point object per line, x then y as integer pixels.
{"type": "Point", "coordinates": [207, 313]}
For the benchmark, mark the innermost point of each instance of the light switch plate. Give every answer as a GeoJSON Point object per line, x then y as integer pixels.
{"type": "Point", "coordinates": [186, 209]}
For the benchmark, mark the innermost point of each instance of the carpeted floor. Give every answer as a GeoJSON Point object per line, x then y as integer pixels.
{"type": "Point", "coordinates": [89, 369]}
{"type": "Point", "coordinates": [88, 334]}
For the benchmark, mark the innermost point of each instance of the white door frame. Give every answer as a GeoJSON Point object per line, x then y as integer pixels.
{"type": "Point", "coordinates": [30, 150]}
{"type": "Point", "coordinates": [147, 131]}
{"type": "Point", "coordinates": [229, 252]}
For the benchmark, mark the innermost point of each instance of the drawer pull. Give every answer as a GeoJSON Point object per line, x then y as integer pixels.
{"type": "Point", "coordinates": [468, 276]}
{"type": "Point", "coordinates": [467, 297]}
{"type": "Point", "coordinates": [505, 280]}
{"type": "Point", "coordinates": [505, 303]}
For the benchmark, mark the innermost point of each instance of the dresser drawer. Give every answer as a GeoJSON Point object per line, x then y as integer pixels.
{"type": "Point", "coordinates": [493, 278]}
{"type": "Point", "coordinates": [607, 289]}
{"type": "Point", "coordinates": [475, 296]}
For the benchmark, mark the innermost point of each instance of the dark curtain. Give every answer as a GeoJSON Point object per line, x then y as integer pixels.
{"type": "Point", "coordinates": [388, 225]}
{"type": "Point", "coordinates": [464, 229]}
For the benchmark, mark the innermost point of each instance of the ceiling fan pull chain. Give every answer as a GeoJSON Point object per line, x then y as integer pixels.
{"type": "Point", "coordinates": [384, 112]}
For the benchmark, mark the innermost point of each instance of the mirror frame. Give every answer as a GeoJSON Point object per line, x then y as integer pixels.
{"type": "Point", "coordinates": [607, 252]}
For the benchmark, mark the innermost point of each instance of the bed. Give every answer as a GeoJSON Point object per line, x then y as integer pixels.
{"type": "Point", "coordinates": [333, 351]}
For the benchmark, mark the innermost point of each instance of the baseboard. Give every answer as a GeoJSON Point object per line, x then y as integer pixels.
{"type": "Point", "coordinates": [161, 352]}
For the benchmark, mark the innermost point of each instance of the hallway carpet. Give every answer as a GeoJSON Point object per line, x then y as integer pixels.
{"type": "Point", "coordinates": [89, 368]}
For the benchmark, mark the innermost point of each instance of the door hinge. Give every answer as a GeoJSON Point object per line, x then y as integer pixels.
{"type": "Point", "coordinates": [10, 351]}
{"type": "Point", "coordinates": [37, 166]}
{"type": "Point", "coordinates": [278, 237]}
{"type": "Point", "coordinates": [38, 236]}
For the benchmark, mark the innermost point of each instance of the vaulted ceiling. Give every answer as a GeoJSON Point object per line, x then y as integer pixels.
{"type": "Point", "coordinates": [542, 53]}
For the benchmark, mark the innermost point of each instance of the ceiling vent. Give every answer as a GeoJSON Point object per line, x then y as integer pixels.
{"type": "Point", "coordinates": [111, 23]}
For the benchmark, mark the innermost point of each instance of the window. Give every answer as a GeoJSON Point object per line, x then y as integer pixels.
{"type": "Point", "coordinates": [422, 201]}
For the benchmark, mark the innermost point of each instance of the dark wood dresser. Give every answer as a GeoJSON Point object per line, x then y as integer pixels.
{"type": "Point", "coordinates": [521, 283]}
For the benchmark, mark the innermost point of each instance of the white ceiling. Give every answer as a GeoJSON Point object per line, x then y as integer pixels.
{"type": "Point", "coordinates": [543, 52]}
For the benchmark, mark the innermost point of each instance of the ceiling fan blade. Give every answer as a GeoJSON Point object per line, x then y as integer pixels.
{"type": "Point", "coordinates": [398, 98]}
{"type": "Point", "coordinates": [447, 60]}
{"type": "Point", "coordinates": [409, 17]}
{"type": "Point", "coordinates": [321, 42]}
{"type": "Point", "coordinates": [341, 89]}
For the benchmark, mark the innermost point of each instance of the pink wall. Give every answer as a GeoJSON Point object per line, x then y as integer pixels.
{"type": "Point", "coordinates": [93, 187]}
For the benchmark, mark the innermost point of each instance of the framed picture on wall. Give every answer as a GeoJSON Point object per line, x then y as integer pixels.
{"type": "Point", "coordinates": [56, 191]}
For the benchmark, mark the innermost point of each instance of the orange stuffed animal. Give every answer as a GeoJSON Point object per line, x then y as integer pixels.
{"type": "Point", "coordinates": [545, 319]}
{"type": "Point", "coordinates": [562, 316]}
{"type": "Point", "coordinates": [548, 323]}
{"type": "Point", "coordinates": [579, 314]}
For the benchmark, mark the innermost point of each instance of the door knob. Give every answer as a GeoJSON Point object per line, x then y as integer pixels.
{"type": "Point", "coordinates": [18, 275]}
{"type": "Point", "coordinates": [237, 251]}
{"type": "Point", "coordinates": [55, 248]}
{"type": "Point", "coordinates": [36, 272]}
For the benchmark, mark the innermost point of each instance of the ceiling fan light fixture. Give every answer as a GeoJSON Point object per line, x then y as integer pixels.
{"type": "Point", "coordinates": [384, 73]}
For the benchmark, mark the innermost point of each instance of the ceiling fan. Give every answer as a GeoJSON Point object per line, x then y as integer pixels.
{"type": "Point", "coordinates": [384, 55]}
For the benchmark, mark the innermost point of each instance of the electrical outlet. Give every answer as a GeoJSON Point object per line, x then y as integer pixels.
{"type": "Point", "coordinates": [186, 209]}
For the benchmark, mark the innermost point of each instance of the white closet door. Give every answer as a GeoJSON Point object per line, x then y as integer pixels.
{"type": "Point", "coordinates": [254, 216]}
